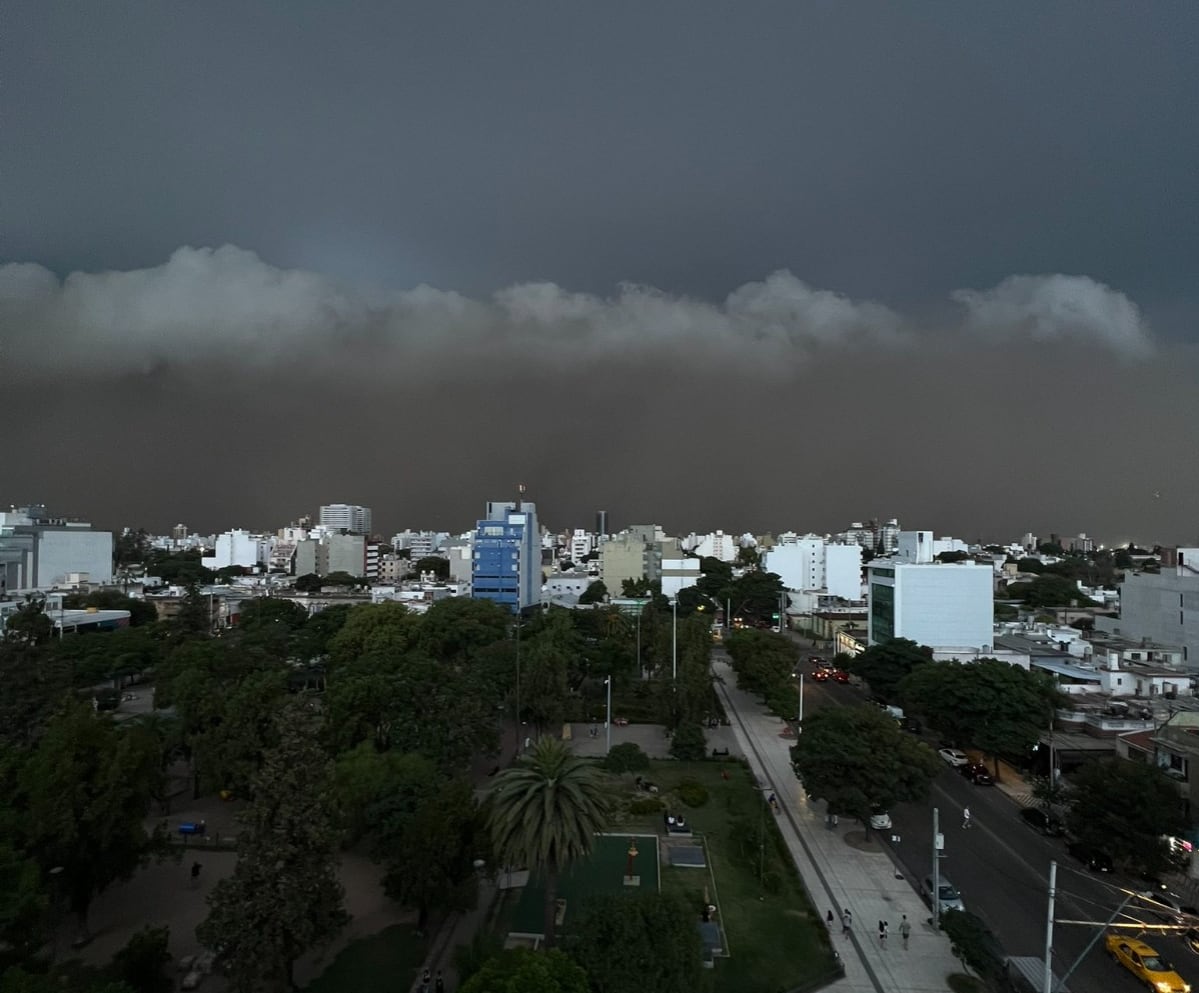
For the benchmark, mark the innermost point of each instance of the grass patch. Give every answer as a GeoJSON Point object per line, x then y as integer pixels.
{"type": "Point", "coordinates": [776, 939]}
{"type": "Point", "coordinates": [395, 952]}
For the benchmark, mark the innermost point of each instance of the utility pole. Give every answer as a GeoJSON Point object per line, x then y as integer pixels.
{"type": "Point", "coordinates": [608, 711]}
{"type": "Point", "coordinates": [938, 846]}
{"type": "Point", "coordinates": [674, 641]}
{"type": "Point", "coordinates": [518, 737]}
{"type": "Point", "coordinates": [1048, 988]}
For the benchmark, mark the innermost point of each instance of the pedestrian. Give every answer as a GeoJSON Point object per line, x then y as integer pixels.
{"type": "Point", "coordinates": [426, 980]}
{"type": "Point", "coordinates": [195, 873]}
{"type": "Point", "coordinates": [846, 922]}
{"type": "Point", "coordinates": [882, 933]}
{"type": "Point", "coordinates": [905, 931]}
{"type": "Point", "coordinates": [965, 817]}
{"type": "Point", "coordinates": [828, 921]}
{"type": "Point", "coordinates": [439, 985]}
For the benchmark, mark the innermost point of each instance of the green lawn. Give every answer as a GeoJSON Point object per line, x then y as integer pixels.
{"type": "Point", "coordinates": [775, 939]}
{"type": "Point", "coordinates": [387, 960]}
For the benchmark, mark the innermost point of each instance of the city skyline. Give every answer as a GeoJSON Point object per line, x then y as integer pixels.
{"type": "Point", "coordinates": [688, 264]}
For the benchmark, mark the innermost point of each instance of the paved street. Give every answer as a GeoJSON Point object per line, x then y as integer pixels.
{"type": "Point", "coordinates": [1001, 868]}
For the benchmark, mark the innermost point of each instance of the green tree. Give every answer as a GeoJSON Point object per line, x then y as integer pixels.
{"type": "Point", "coordinates": [716, 579]}
{"type": "Point", "coordinates": [857, 760]}
{"type": "Point", "coordinates": [688, 743]}
{"type": "Point", "coordinates": [596, 592]}
{"type": "Point", "coordinates": [884, 665]}
{"type": "Point", "coordinates": [23, 904]}
{"type": "Point", "coordinates": [142, 963]}
{"type": "Point", "coordinates": [283, 898]}
{"type": "Point", "coordinates": [520, 970]}
{"type": "Point", "coordinates": [439, 565]}
{"type": "Point", "coordinates": [310, 582]}
{"type": "Point", "coordinates": [131, 547]}
{"type": "Point", "coordinates": [545, 812]}
{"type": "Point", "coordinates": [1050, 591]}
{"type": "Point", "coordinates": [633, 942]}
{"type": "Point", "coordinates": [990, 705]}
{"type": "Point", "coordinates": [1132, 831]}
{"type": "Point", "coordinates": [626, 757]}
{"type": "Point", "coordinates": [455, 628]}
{"type": "Point", "coordinates": [382, 628]}
{"type": "Point", "coordinates": [29, 624]}
{"type": "Point", "coordinates": [545, 660]}
{"type": "Point", "coordinates": [194, 617]}
{"type": "Point", "coordinates": [756, 596]}
{"type": "Point", "coordinates": [35, 678]}
{"type": "Point", "coordinates": [87, 788]}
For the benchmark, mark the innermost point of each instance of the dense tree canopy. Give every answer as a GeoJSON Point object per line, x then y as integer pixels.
{"type": "Point", "coordinates": [520, 970]}
{"type": "Point", "coordinates": [884, 665]}
{"type": "Point", "coordinates": [1127, 809]}
{"type": "Point", "coordinates": [990, 705]}
{"type": "Point", "coordinates": [857, 760]}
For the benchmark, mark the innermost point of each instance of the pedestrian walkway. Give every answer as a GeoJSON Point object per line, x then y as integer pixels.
{"type": "Point", "coordinates": [837, 875]}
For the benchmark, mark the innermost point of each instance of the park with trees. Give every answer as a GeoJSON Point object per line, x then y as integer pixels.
{"type": "Point", "coordinates": [360, 729]}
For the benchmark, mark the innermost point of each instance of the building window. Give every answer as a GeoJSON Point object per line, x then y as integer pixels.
{"type": "Point", "coordinates": [882, 612]}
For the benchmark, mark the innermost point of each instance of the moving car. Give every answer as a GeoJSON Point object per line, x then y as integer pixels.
{"type": "Point", "coordinates": [1144, 963]}
{"type": "Point", "coordinates": [880, 820]}
{"type": "Point", "coordinates": [1040, 821]}
{"type": "Point", "coordinates": [911, 725]}
{"type": "Point", "coordinates": [954, 757]}
{"type": "Point", "coordinates": [1166, 906]}
{"type": "Point", "coordinates": [840, 676]}
{"type": "Point", "coordinates": [820, 675]}
{"type": "Point", "coordinates": [1092, 858]}
{"type": "Point", "coordinates": [950, 898]}
{"type": "Point", "coordinates": [977, 773]}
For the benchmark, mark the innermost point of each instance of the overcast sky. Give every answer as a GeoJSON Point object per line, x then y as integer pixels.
{"type": "Point", "coordinates": [755, 266]}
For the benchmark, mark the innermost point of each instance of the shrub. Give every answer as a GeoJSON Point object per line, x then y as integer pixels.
{"type": "Point", "coordinates": [646, 805]}
{"type": "Point", "coordinates": [693, 794]}
{"type": "Point", "coordinates": [142, 962]}
{"type": "Point", "coordinates": [627, 757]}
{"type": "Point", "coordinates": [689, 743]}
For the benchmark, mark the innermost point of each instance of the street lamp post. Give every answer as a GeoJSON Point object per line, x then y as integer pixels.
{"type": "Point", "coordinates": [608, 711]}
{"type": "Point", "coordinates": [518, 738]}
{"type": "Point", "coordinates": [799, 720]}
{"type": "Point", "coordinates": [674, 640]}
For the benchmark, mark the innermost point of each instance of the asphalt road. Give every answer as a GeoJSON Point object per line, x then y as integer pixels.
{"type": "Point", "coordinates": [1001, 868]}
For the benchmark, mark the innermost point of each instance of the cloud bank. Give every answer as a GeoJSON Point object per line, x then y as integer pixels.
{"type": "Point", "coordinates": [228, 305]}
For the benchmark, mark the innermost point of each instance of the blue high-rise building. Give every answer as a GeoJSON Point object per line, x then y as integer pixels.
{"type": "Point", "coordinates": [506, 560]}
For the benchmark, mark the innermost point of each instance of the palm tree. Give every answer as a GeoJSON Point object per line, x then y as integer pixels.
{"type": "Point", "coordinates": [545, 812]}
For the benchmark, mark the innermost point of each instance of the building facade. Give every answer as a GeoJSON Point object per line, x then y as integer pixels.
{"type": "Point", "coordinates": [942, 606]}
{"type": "Point", "coordinates": [1162, 608]}
{"type": "Point", "coordinates": [346, 517]}
{"type": "Point", "coordinates": [506, 557]}
{"type": "Point", "coordinates": [39, 552]}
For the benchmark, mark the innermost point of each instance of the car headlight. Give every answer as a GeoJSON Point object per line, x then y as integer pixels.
{"type": "Point", "coordinates": [1163, 986]}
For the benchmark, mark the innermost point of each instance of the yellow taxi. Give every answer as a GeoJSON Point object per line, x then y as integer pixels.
{"type": "Point", "coordinates": [1144, 963]}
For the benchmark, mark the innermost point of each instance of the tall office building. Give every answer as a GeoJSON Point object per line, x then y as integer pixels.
{"type": "Point", "coordinates": [347, 517]}
{"type": "Point", "coordinates": [506, 559]}
{"type": "Point", "coordinates": [601, 525]}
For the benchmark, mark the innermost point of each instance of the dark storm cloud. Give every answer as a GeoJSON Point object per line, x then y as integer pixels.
{"type": "Point", "coordinates": [242, 393]}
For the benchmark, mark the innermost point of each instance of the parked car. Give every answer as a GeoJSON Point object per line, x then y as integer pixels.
{"type": "Point", "coordinates": [954, 757]}
{"type": "Point", "coordinates": [880, 820]}
{"type": "Point", "coordinates": [1143, 962]}
{"type": "Point", "coordinates": [1040, 821]}
{"type": "Point", "coordinates": [950, 898]}
{"type": "Point", "coordinates": [1091, 857]}
{"type": "Point", "coordinates": [977, 773]}
{"type": "Point", "coordinates": [911, 725]}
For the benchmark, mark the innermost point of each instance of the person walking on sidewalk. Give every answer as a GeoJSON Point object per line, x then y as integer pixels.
{"type": "Point", "coordinates": [905, 931]}
{"type": "Point", "coordinates": [882, 933]}
{"type": "Point", "coordinates": [439, 983]}
{"type": "Point", "coordinates": [426, 981]}
{"type": "Point", "coordinates": [828, 921]}
{"type": "Point", "coordinates": [846, 922]}
{"type": "Point", "coordinates": [965, 817]}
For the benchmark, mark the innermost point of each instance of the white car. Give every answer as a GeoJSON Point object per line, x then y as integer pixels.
{"type": "Point", "coordinates": [880, 821]}
{"type": "Point", "coordinates": [954, 757]}
{"type": "Point", "coordinates": [950, 898]}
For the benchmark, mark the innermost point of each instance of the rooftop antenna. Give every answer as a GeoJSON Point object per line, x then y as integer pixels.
{"type": "Point", "coordinates": [520, 492]}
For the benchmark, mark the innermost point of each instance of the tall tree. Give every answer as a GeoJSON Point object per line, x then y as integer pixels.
{"type": "Point", "coordinates": [283, 897]}
{"type": "Point", "coordinates": [632, 942]}
{"type": "Point", "coordinates": [1127, 809]}
{"type": "Point", "coordinates": [520, 970]}
{"type": "Point", "coordinates": [998, 708]}
{"type": "Point", "coordinates": [857, 760]}
{"type": "Point", "coordinates": [545, 812]}
{"type": "Point", "coordinates": [884, 665]}
{"type": "Point", "coordinates": [87, 788]}
{"type": "Point", "coordinates": [455, 628]}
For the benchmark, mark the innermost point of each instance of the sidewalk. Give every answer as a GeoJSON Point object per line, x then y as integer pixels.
{"type": "Point", "coordinates": [837, 875]}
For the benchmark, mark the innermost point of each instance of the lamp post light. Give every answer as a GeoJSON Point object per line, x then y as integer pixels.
{"type": "Point", "coordinates": [608, 711]}
{"type": "Point", "coordinates": [674, 640]}
{"type": "Point", "coordinates": [518, 738]}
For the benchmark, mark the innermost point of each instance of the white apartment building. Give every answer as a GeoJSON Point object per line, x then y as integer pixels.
{"type": "Point", "coordinates": [921, 546]}
{"type": "Point", "coordinates": [944, 606]}
{"type": "Point", "coordinates": [812, 563]}
{"type": "Point", "coordinates": [239, 548]}
{"type": "Point", "coordinates": [346, 517]}
{"type": "Point", "coordinates": [678, 574]}
{"type": "Point", "coordinates": [579, 544]}
{"type": "Point", "coordinates": [716, 545]}
{"type": "Point", "coordinates": [419, 544]}
{"type": "Point", "coordinates": [41, 552]}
